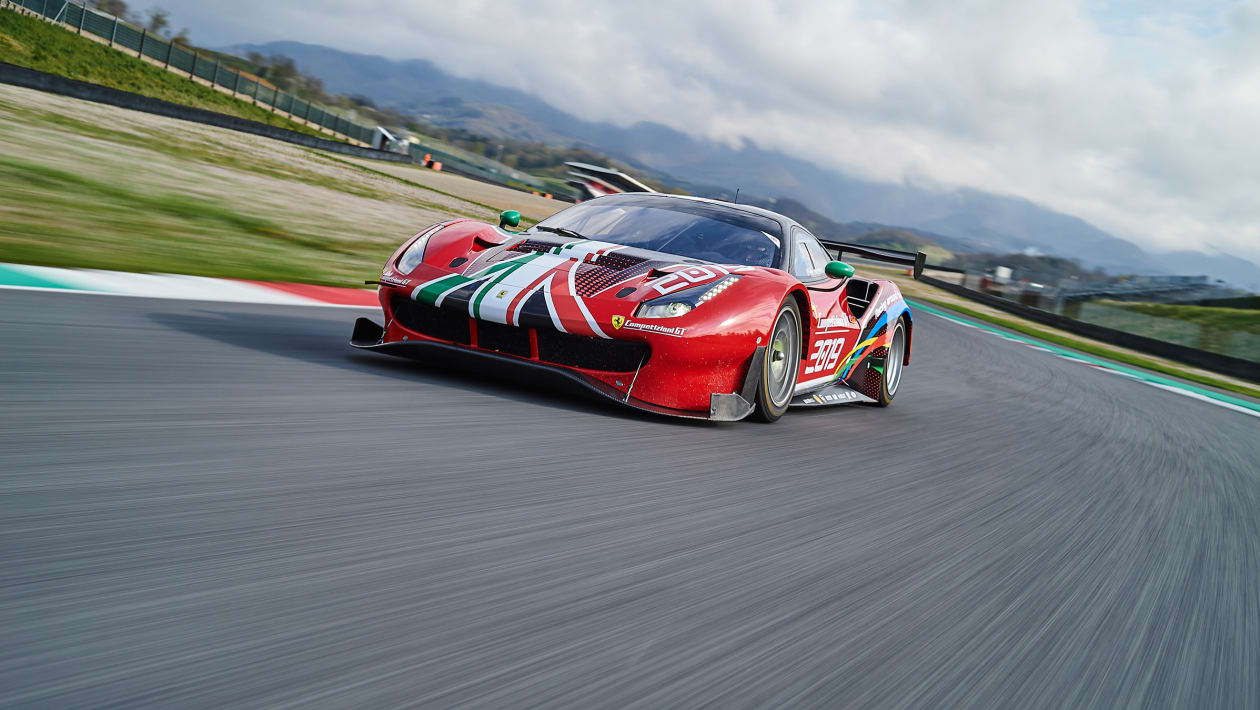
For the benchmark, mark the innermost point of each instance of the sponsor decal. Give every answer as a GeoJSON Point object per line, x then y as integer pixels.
{"type": "Point", "coordinates": [618, 321]}
{"type": "Point", "coordinates": [501, 293]}
{"type": "Point", "coordinates": [837, 397]}
{"type": "Point", "coordinates": [837, 322]}
{"type": "Point", "coordinates": [651, 327]}
{"type": "Point", "coordinates": [391, 281]}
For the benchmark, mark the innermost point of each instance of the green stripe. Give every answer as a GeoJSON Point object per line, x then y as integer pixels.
{"type": "Point", "coordinates": [1136, 374]}
{"type": "Point", "coordinates": [10, 276]}
{"type": "Point", "coordinates": [476, 306]}
{"type": "Point", "coordinates": [569, 245]}
{"type": "Point", "coordinates": [430, 291]}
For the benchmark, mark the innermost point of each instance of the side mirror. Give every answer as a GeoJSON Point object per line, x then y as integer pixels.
{"type": "Point", "coordinates": [838, 270]}
{"type": "Point", "coordinates": [509, 218]}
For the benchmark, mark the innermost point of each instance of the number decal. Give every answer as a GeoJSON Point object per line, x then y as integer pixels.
{"type": "Point", "coordinates": [683, 278]}
{"type": "Point", "coordinates": [826, 354]}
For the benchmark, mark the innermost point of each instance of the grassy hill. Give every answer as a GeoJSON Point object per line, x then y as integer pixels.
{"type": "Point", "coordinates": [90, 185]}
{"type": "Point", "coordinates": [34, 44]}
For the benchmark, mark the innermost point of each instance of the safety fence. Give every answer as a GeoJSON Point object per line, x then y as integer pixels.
{"type": "Point", "coordinates": [1236, 343]}
{"type": "Point", "coordinates": [122, 34]}
{"type": "Point", "coordinates": [1228, 352]}
{"type": "Point", "coordinates": [1107, 310]}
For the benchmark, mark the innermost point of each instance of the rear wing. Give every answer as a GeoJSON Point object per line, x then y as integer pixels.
{"type": "Point", "coordinates": [915, 260]}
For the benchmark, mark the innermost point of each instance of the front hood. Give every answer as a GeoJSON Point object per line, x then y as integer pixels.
{"type": "Point", "coordinates": [571, 285]}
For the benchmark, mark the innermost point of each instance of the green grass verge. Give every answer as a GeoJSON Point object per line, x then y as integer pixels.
{"type": "Point", "coordinates": [81, 221]}
{"type": "Point", "coordinates": [1041, 333]}
{"type": "Point", "coordinates": [1232, 319]}
{"type": "Point", "coordinates": [34, 44]}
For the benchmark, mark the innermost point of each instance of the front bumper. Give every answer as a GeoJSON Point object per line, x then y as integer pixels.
{"type": "Point", "coordinates": [368, 335]}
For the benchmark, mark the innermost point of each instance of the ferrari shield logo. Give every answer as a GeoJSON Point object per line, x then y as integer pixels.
{"type": "Point", "coordinates": [501, 294]}
{"type": "Point", "coordinates": [618, 321]}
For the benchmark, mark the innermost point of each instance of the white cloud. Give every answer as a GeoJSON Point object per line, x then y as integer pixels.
{"type": "Point", "coordinates": [1142, 119]}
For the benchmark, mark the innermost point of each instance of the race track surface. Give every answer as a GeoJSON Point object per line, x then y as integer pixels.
{"type": "Point", "coordinates": [209, 505]}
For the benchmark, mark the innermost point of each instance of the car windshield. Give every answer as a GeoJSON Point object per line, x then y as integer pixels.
{"type": "Point", "coordinates": [698, 230]}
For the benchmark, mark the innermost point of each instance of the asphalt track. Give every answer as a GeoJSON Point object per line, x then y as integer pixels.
{"type": "Point", "coordinates": [212, 505]}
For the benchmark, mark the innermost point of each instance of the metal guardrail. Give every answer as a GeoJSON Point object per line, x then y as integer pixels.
{"type": "Point", "coordinates": [120, 33]}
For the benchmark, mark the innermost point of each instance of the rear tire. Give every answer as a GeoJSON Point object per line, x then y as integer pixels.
{"type": "Point", "coordinates": [781, 364]}
{"type": "Point", "coordinates": [893, 365]}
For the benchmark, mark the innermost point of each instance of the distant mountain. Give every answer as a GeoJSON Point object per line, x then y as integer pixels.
{"type": "Point", "coordinates": [960, 219]}
{"type": "Point", "coordinates": [1231, 269]}
{"type": "Point", "coordinates": [938, 246]}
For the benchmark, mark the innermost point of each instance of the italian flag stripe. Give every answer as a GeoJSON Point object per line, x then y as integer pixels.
{"type": "Point", "coordinates": [475, 307]}
{"type": "Point", "coordinates": [431, 291]}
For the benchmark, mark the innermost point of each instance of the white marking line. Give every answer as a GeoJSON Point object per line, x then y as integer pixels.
{"type": "Point", "coordinates": [1205, 398]}
{"type": "Point", "coordinates": [1104, 368]}
{"type": "Point", "coordinates": [163, 285]}
{"type": "Point", "coordinates": [182, 298]}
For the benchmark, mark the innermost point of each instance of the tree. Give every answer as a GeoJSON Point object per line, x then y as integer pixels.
{"type": "Point", "coordinates": [159, 20]}
{"type": "Point", "coordinates": [182, 38]}
{"type": "Point", "coordinates": [282, 72]}
{"type": "Point", "coordinates": [117, 8]}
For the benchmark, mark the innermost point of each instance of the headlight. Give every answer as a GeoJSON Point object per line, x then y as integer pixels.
{"type": "Point", "coordinates": [683, 302]}
{"type": "Point", "coordinates": [663, 310]}
{"type": "Point", "coordinates": [415, 253]}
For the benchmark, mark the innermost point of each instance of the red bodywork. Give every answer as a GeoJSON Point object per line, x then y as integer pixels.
{"type": "Point", "coordinates": [706, 351]}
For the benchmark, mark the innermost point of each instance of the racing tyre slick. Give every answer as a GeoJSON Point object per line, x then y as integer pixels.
{"type": "Point", "coordinates": [781, 364]}
{"type": "Point", "coordinates": [893, 365]}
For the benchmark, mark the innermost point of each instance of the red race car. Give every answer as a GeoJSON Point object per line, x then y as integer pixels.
{"type": "Point", "coordinates": [676, 305]}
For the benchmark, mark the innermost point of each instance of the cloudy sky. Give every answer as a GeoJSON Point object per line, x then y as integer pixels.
{"type": "Point", "coordinates": [1141, 117]}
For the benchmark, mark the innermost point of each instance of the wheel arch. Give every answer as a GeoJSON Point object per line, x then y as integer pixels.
{"type": "Point", "coordinates": [909, 319]}
{"type": "Point", "coordinates": [807, 323]}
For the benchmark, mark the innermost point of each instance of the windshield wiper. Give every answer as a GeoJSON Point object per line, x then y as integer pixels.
{"type": "Point", "coordinates": [562, 231]}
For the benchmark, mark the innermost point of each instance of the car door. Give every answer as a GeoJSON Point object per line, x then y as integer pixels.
{"type": "Point", "coordinates": [832, 329]}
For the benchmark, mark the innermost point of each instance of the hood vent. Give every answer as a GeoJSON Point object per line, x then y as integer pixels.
{"type": "Point", "coordinates": [615, 261]}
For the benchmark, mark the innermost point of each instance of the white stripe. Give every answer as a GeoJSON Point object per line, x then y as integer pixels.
{"type": "Point", "coordinates": [582, 306]}
{"type": "Point", "coordinates": [551, 307]}
{"type": "Point", "coordinates": [580, 250]}
{"type": "Point", "coordinates": [494, 308]}
{"type": "Point", "coordinates": [516, 315]}
{"type": "Point", "coordinates": [477, 277]}
{"type": "Point", "coordinates": [438, 301]}
{"type": "Point", "coordinates": [485, 283]}
{"type": "Point", "coordinates": [809, 384]}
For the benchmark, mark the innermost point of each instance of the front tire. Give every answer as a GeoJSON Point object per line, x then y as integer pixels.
{"type": "Point", "coordinates": [781, 364]}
